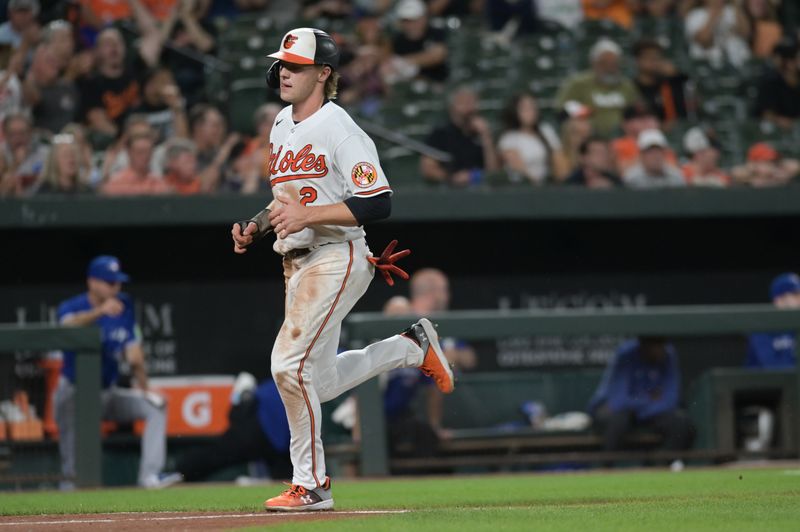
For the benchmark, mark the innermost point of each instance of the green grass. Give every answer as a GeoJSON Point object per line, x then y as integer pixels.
{"type": "Point", "coordinates": [693, 500]}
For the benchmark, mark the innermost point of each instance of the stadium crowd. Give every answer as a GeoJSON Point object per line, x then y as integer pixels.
{"type": "Point", "coordinates": [117, 97]}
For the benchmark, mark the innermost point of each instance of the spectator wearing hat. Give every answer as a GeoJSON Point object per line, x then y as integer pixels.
{"type": "Point", "coordinates": [604, 88]}
{"type": "Point", "coordinates": [105, 305]}
{"type": "Point", "coordinates": [662, 87]}
{"type": "Point", "coordinates": [778, 99]}
{"type": "Point", "coordinates": [765, 167]}
{"type": "Point", "coordinates": [419, 50]}
{"type": "Point", "coordinates": [776, 350]}
{"type": "Point", "coordinates": [596, 168]}
{"type": "Point", "coordinates": [653, 169]}
{"type": "Point", "coordinates": [635, 119]}
{"type": "Point", "coordinates": [712, 32]}
{"type": "Point", "coordinates": [21, 26]}
{"type": "Point", "coordinates": [136, 179]}
{"type": "Point", "coordinates": [466, 139]}
{"type": "Point", "coordinates": [703, 167]}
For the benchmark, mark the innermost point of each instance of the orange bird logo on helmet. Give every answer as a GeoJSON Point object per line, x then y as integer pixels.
{"type": "Point", "coordinates": [289, 41]}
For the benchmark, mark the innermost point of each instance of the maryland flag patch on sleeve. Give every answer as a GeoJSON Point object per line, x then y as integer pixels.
{"type": "Point", "coordinates": [364, 174]}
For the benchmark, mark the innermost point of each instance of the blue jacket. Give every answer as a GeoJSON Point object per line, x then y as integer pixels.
{"type": "Point", "coordinates": [117, 333]}
{"type": "Point", "coordinates": [630, 383]}
{"type": "Point", "coordinates": [772, 350]}
{"type": "Point", "coordinates": [272, 415]}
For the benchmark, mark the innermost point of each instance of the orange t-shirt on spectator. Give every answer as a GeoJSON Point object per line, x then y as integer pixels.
{"type": "Point", "coordinates": [109, 10]}
{"type": "Point", "coordinates": [160, 8]}
{"type": "Point", "coordinates": [716, 178]}
{"type": "Point", "coordinates": [626, 151]}
{"type": "Point", "coordinates": [617, 11]}
{"type": "Point", "coordinates": [767, 35]}
{"type": "Point", "coordinates": [128, 183]}
{"type": "Point", "coordinates": [183, 187]}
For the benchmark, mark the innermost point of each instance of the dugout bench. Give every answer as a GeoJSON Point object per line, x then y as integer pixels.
{"type": "Point", "coordinates": [474, 325]}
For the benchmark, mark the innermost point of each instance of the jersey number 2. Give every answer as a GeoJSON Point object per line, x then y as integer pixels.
{"type": "Point", "coordinates": [308, 195]}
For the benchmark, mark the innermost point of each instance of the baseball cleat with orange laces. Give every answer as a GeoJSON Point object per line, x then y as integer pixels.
{"type": "Point", "coordinates": [298, 499]}
{"type": "Point", "coordinates": [434, 363]}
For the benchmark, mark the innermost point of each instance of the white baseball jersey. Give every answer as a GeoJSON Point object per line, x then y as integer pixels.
{"type": "Point", "coordinates": [323, 160]}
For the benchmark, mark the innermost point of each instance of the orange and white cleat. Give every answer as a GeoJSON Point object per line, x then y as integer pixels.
{"type": "Point", "coordinates": [300, 499]}
{"type": "Point", "coordinates": [434, 363]}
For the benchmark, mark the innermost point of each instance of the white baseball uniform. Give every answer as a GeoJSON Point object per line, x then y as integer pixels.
{"type": "Point", "coordinates": [323, 160]}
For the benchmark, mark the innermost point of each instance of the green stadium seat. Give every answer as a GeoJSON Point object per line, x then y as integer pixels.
{"type": "Point", "coordinates": [245, 96]}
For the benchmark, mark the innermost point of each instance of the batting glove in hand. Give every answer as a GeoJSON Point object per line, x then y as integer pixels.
{"type": "Point", "coordinates": [385, 263]}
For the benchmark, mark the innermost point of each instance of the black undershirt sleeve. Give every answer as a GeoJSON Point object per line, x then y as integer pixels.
{"type": "Point", "coordinates": [372, 209]}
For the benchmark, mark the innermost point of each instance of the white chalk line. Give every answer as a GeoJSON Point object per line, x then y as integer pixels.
{"type": "Point", "coordinates": [196, 517]}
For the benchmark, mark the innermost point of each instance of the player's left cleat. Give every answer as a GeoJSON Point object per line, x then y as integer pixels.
{"type": "Point", "coordinates": [434, 363]}
{"type": "Point", "coordinates": [299, 499]}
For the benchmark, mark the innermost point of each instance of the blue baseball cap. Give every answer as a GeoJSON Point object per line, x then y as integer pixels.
{"type": "Point", "coordinates": [785, 283]}
{"type": "Point", "coordinates": [107, 268]}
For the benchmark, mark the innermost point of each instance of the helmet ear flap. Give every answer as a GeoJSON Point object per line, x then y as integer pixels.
{"type": "Point", "coordinates": [273, 79]}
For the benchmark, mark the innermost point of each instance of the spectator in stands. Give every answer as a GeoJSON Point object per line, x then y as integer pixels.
{"type": "Point", "coordinates": [455, 8]}
{"type": "Point", "coordinates": [641, 389]}
{"type": "Point", "coordinates": [52, 97]}
{"type": "Point", "coordinates": [778, 99]}
{"type": "Point", "coordinates": [180, 167]}
{"type": "Point", "coordinates": [529, 148]}
{"type": "Point", "coordinates": [22, 157]}
{"type": "Point", "coordinates": [711, 30]}
{"type": "Point", "coordinates": [21, 28]}
{"type": "Point", "coordinates": [109, 94]}
{"type": "Point", "coordinates": [63, 173]}
{"type": "Point", "coordinates": [777, 350]}
{"type": "Point", "coordinates": [619, 12]}
{"type": "Point", "coordinates": [419, 49]}
{"type": "Point", "coordinates": [115, 158]}
{"type": "Point", "coordinates": [604, 89]}
{"type": "Point", "coordinates": [11, 100]}
{"type": "Point", "coordinates": [264, 119]}
{"type": "Point", "coordinates": [244, 171]}
{"type": "Point", "coordinates": [163, 105]}
{"type": "Point", "coordinates": [208, 132]}
{"type": "Point", "coordinates": [653, 169]}
{"type": "Point", "coordinates": [105, 306]}
{"type": "Point", "coordinates": [576, 127]}
{"type": "Point", "coordinates": [86, 161]}
{"type": "Point", "coordinates": [257, 430]}
{"type": "Point", "coordinates": [757, 23]}
{"type": "Point", "coordinates": [466, 138]}
{"type": "Point", "coordinates": [362, 80]}
{"type": "Point", "coordinates": [765, 167]}
{"type": "Point", "coordinates": [662, 87]}
{"type": "Point", "coordinates": [665, 8]}
{"type": "Point", "coordinates": [137, 178]}
{"type": "Point", "coordinates": [567, 13]}
{"type": "Point", "coordinates": [703, 167]}
{"type": "Point", "coordinates": [190, 36]}
{"type": "Point", "coordinates": [635, 119]}
{"type": "Point", "coordinates": [596, 168]}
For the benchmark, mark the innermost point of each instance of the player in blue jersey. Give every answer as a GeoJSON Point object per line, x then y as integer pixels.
{"type": "Point", "coordinates": [104, 305]}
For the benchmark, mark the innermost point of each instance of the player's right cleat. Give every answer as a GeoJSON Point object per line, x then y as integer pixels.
{"type": "Point", "coordinates": [299, 499]}
{"type": "Point", "coordinates": [434, 363]}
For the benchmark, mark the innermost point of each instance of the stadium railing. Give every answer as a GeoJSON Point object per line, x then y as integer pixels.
{"type": "Point", "coordinates": [413, 205]}
{"type": "Point", "coordinates": [697, 320]}
{"type": "Point", "coordinates": [85, 341]}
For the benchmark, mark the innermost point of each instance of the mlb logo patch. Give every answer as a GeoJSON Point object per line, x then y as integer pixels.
{"type": "Point", "coordinates": [364, 174]}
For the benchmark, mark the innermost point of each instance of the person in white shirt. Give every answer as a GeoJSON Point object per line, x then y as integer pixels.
{"type": "Point", "coordinates": [530, 149]}
{"type": "Point", "coordinates": [711, 30]}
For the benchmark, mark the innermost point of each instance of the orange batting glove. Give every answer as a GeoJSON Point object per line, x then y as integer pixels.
{"type": "Point", "coordinates": [385, 263]}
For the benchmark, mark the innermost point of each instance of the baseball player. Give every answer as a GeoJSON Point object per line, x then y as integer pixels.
{"type": "Point", "coordinates": [327, 183]}
{"type": "Point", "coordinates": [104, 305]}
